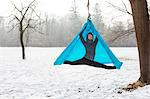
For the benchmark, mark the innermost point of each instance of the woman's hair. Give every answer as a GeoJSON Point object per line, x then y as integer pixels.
{"type": "Point", "coordinates": [90, 33]}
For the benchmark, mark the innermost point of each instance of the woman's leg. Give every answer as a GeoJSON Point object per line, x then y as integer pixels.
{"type": "Point", "coordinates": [89, 62]}
{"type": "Point", "coordinates": [77, 62]}
{"type": "Point", "coordinates": [96, 64]}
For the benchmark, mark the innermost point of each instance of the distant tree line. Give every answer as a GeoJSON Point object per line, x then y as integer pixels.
{"type": "Point", "coordinates": [59, 31]}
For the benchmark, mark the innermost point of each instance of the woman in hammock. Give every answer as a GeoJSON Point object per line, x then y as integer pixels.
{"type": "Point", "coordinates": [88, 59]}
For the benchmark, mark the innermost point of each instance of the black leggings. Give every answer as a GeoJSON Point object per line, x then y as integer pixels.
{"type": "Point", "coordinates": [85, 61]}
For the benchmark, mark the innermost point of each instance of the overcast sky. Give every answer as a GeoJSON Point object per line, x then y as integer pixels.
{"type": "Point", "coordinates": [62, 7]}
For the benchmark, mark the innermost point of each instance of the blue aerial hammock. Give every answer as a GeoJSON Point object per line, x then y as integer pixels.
{"type": "Point", "coordinates": [75, 50]}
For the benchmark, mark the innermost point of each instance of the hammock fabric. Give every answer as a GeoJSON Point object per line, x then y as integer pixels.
{"type": "Point", "coordinates": [76, 50]}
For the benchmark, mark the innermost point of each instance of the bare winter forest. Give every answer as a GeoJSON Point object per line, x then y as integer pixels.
{"type": "Point", "coordinates": [60, 30]}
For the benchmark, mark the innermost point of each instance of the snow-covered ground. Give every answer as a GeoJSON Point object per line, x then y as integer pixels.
{"type": "Point", "coordinates": [37, 78]}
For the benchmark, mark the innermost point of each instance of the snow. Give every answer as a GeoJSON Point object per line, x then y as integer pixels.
{"type": "Point", "coordinates": [37, 78]}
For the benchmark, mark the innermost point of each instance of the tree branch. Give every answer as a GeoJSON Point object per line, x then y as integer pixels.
{"type": "Point", "coordinates": [27, 25]}
{"type": "Point", "coordinates": [16, 8]}
{"type": "Point", "coordinates": [17, 18]}
{"type": "Point", "coordinates": [118, 8]}
{"type": "Point", "coordinates": [27, 10]}
{"type": "Point", "coordinates": [13, 27]}
{"type": "Point", "coordinates": [125, 33]}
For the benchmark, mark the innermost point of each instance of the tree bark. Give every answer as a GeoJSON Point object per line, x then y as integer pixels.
{"type": "Point", "coordinates": [22, 46]}
{"type": "Point", "coordinates": [141, 23]}
{"type": "Point", "coordinates": [21, 40]}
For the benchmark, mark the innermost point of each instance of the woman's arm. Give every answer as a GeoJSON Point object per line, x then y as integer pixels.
{"type": "Point", "coordinates": [96, 40]}
{"type": "Point", "coordinates": [81, 37]}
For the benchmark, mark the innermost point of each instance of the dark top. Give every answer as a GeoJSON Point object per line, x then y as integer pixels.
{"type": "Point", "coordinates": [89, 46]}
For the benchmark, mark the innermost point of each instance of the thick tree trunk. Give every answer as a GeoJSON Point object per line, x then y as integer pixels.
{"type": "Point", "coordinates": [141, 22]}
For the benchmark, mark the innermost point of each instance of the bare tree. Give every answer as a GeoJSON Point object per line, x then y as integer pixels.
{"type": "Point", "coordinates": [74, 8]}
{"type": "Point", "coordinates": [118, 30]}
{"type": "Point", "coordinates": [123, 9]}
{"type": "Point", "coordinates": [25, 18]}
{"type": "Point", "coordinates": [142, 28]}
{"type": "Point", "coordinates": [75, 19]}
{"type": "Point", "coordinates": [98, 19]}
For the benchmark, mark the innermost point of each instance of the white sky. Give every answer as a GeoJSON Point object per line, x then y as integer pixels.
{"type": "Point", "coordinates": [62, 7]}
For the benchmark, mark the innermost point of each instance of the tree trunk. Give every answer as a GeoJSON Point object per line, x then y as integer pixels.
{"type": "Point", "coordinates": [22, 46]}
{"type": "Point", "coordinates": [141, 23]}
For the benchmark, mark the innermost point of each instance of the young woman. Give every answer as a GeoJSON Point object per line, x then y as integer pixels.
{"type": "Point", "coordinates": [88, 59]}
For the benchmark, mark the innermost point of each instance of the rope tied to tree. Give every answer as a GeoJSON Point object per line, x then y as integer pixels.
{"type": "Point", "coordinates": [88, 7]}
